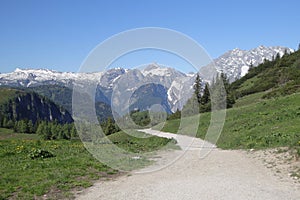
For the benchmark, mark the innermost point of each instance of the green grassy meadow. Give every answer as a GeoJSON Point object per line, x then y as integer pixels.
{"type": "Point", "coordinates": [255, 123]}
{"type": "Point", "coordinates": [31, 168]}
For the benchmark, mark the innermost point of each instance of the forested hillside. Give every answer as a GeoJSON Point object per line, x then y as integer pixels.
{"type": "Point", "coordinates": [278, 77]}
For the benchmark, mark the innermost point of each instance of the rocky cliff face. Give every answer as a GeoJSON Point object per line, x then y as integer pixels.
{"type": "Point", "coordinates": [236, 63]}
{"type": "Point", "coordinates": [28, 105]}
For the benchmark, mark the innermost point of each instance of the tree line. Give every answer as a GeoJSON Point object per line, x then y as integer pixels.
{"type": "Point", "coordinates": [47, 130]}
{"type": "Point", "coordinates": [53, 130]}
{"type": "Point", "coordinates": [217, 93]}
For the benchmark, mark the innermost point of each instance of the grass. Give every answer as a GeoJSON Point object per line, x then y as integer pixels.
{"type": "Point", "coordinates": [130, 151]}
{"type": "Point", "coordinates": [72, 166]}
{"type": "Point", "coordinates": [249, 99]}
{"type": "Point", "coordinates": [26, 178]}
{"type": "Point", "coordinates": [249, 83]}
{"type": "Point", "coordinates": [8, 134]}
{"type": "Point", "coordinates": [138, 142]}
{"type": "Point", "coordinates": [255, 124]}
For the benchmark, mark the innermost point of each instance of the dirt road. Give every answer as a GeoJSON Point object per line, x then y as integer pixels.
{"type": "Point", "coordinates": [220, 175]}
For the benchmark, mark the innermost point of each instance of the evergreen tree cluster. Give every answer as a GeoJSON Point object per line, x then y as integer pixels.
{"type": "Point", "coordinates": [48, 130]}
{"type": "Point", "coordinates": [218, 94]}
{"type": "Point", "coordinates": [109, 126]}
{"type": "Point", "coordinates": [175, 115]}
{"type": "Point", "coordinates": [24, 126]}
{"type": "Point", "coordinates": [6, 123]}
{"type": "Point", "coordinates": [53, 131]}
{"type": "Point", "coordinates": [276, 77]}
{"type": "Point", "coordinates": [223, 96]}
{"type": "Point", "coordinates": [21, 126]}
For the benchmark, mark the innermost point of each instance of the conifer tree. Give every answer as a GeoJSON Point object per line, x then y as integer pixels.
{"type": "Point", "coordinates": [277, 56]}
{"type": "Point", "coordinates": [22, 126]}
{"type": "Point", "coordinates": [206, 95]}
{"type": "Point", "coordinates": [197, 88]}
{"type": "Point", "coordinates": [73, 131]}
{"type": "Point", "coordinates": [110, 127]}
{"type": "Point", "coordinates": [30, 127]}
{"type": "Point", "coordinates": [4, 123]}
{"type": "Point", "coordinates": [41, 128]}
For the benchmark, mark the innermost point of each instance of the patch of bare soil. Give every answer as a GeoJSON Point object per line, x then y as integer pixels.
{"type": "Point", "coordinates": [281, 161]}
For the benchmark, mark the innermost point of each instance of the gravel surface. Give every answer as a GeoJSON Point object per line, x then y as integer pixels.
{"type": "Point", "coordinates": [221, 174]}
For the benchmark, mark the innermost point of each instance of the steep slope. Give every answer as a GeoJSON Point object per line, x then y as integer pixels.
{"type": "Point", "coordinates": [258, 120]}
{"type": "Point", "coordinates": [278, 77]}
{"type": "Point", "coordinates": [147, 95]}
{"type": "Point", "coordinates": [236, 63]}
{"type": "Point", "coordinates": [20, 105]}
{"type": "Point", "coordinates": [62, 96]}
{"type": "Point", "coordinates": [58, 94]}
{"type": "Point", "coordinates": [180, 91]}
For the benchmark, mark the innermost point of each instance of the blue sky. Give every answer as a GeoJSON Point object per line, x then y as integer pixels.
{"type": "Point", "coordinates": [59, 34]}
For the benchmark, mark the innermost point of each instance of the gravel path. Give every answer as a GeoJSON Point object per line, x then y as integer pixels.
{"type": "Point", "coordinates": [220, 175]}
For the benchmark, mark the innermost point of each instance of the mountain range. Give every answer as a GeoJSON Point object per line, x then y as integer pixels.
{"type": "Point", "coordinates": [174, 87]}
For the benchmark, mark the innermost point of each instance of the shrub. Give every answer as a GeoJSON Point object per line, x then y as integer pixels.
{"type": "Point", "coordinates": [40, 153]}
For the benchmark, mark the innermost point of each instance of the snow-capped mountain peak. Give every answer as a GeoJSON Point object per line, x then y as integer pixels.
{"type": "Point", "coordinates": [234, 63]}
{"type": "Point", "coordinates": [155, 70]}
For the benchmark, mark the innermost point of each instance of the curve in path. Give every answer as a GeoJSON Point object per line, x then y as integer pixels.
{"type": "Point", "coordinates": [220, 175]}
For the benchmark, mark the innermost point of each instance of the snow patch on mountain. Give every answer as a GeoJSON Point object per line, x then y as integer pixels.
{"type": "Point", "coordinates": [244, 70]}
{"type": "Point", "coordinates": [33, 77]}
{"type": "Point", "coordinates": [235, 64]}
{"type": "Point", "coordinates": [157, 70]}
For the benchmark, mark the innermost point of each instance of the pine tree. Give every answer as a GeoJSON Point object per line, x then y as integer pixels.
{"type": "Point", "coordinates": [30, 127]}
{"type": "Point", "coordinates": [65, 131]}
{"type": "Point", "coordinates": [41, 128]}
{"type": "Point", "coordinates": [197, 88]}
{"type": "Point", "coordinates": [226, 91]}
{"type": "Point", "coordinates": [47, 132]}
{"type": "Point", "coordinates": [277, 56]}
{"type": "Point", "coordinates": [22, 126]}
{"type": "Point", "coordinates": [73, 131]}
{"type": "Point", "coordinates": [219, 93]}
{"type": "Point", "coordinates": [110, 127]}
{"type": "Point", "coordinates": [206, 95]}
{"type": "Point", "coordinates": [4, 123]}
{"type": "Point", "coordinates": [56, 131]}
{"type": "Point", "coordinates": [44, 130]}
{"type": "Point", "coordinates": [205, 105]}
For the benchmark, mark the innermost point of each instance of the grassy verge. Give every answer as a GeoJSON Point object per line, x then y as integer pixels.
{"type": "Point", "coordinates": [261, 124]}
{"type": "Point", "coordinates": [130, 151]}
{"type": "Point", "coordinates": [31, 168]}
{"type": "Point", "coordinates": [138, 142]}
